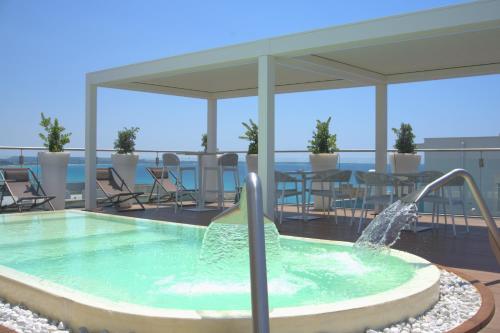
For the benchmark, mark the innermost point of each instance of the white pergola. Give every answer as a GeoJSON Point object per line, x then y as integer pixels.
{"type": "Point", "coordinates": [448, 42]}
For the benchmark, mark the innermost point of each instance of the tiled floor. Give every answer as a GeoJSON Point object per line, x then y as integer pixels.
{"type": "Point", "coordinates": [469, 252]}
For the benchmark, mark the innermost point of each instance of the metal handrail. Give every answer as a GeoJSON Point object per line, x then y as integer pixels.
{"type": "Point", "coordinates": [416, 196]}
{"type": "Point", "coordinates": [188, 152]}
{"type": "Point", "coordinates": [257, 249]}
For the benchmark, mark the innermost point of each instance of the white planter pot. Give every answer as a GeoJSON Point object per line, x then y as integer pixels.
{"type": "Point", "coordinates": [320, 162]}
{"type": "Point", "coordinates": [210, 177]}
{"type": "Point", "coordinates": [126, 166]}
{"type": "Point", "coordinates": [252, 162]}
{"type": "Point", "coordinates": [404, 163]}
{"type": "Point", "coordinates": [54, 170]}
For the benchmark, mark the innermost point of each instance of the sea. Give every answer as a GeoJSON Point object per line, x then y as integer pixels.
{"type": "Point", "coordinates": [76, 172]}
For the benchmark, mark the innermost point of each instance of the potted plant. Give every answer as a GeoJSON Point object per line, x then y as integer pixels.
{"type": "Point", "coordinates": [124, 161]}
{"type": "Point", "coordinates": [208, 160]}
{"type": "Point", "coordinates": [54, 163]}
{"type": "Point", "coordinates": [204, 142]}
{"type": "Point", "coordinates": [252, 135]}
{"type": "Point", "coordinates": [405, 160]}
{"type": "Point", "coordinates": [323, 147]}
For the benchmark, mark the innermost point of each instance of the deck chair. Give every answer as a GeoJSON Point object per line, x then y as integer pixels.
{"type": "Point", "coordinates": [162, 180]}
{"type": "Point", "coordinates": [115, 189]}
{"type": "Point", "coordinates": [24, 190]}
{"type": "Point", "coordinates": [166, 181]}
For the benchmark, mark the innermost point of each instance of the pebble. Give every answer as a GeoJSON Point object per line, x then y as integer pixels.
{"type": "Point", "coordinates": [19, 319]}
{"type": "Point", "coordinates": [458, 301]}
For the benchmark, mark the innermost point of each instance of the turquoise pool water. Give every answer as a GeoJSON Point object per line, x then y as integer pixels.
{"type": "Point", "coordinates": [161, 264]}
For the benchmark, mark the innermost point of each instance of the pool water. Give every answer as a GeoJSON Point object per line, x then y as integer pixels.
{"type": "Point", "coordinates": [161, 264]}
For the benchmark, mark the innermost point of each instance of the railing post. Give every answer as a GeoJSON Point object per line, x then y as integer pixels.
{"type": "Point", "coordinates": [257, 249]}
{"type": "Point", "coordinates": [21, 158]}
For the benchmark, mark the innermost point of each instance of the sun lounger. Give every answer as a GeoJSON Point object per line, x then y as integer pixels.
{"type": "Point", "coordinates": [167, 182]}
{"type": "Point", "coordinates": [115, 189]}
{"type": "Point", "coordinates": [162, 179]}
{"type": "Point", "coordinates": [22, 190]}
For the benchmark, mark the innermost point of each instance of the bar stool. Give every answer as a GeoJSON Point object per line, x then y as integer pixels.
{"type": "Point", "coordinates": [172, 162]}
{"type": "Point", "coordinates": [225, 163]}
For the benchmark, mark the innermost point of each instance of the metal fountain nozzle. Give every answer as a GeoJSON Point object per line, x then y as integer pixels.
{"type": "Point", "coordinates": [494, 235]}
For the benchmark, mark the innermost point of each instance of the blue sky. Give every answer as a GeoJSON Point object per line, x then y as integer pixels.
{"type": "Point", "coordinates": [46, 47]}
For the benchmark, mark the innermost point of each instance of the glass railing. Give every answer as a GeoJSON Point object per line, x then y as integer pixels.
{"type": "Point", "coordinates": [482, 163]}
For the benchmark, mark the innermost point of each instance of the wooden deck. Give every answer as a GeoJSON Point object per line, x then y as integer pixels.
{"type": "Point", "coordinates": [468, 252]}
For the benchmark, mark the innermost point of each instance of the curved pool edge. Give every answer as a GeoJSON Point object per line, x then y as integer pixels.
{"type": "Point", "coordinates": [81, 309]}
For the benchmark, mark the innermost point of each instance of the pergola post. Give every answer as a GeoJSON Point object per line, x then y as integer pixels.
{"type": "Point", "coordinates": [90, 146]}
{"type": "Point", "coordinates": [266, 82]}
{"type": "Point", "coordinates": [381, 128]}
{"type": "Point", "coordinates": [211, 125]}
{"type": "Point", "coordinates": [209, 178]}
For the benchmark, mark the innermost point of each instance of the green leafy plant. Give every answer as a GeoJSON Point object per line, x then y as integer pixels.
{"type": "Point", "coordinates": [125, 143]}
{"type": "Point", "coordinates": [322, 141]}
{"type": "Point", "coordinates": [204, 142]}
{"type": "Point", "coordinates": [404, 139]}
{"type": "Point", "coordinates": [55, 139]}
{"type": "Point", "coordinates": [252, 135]}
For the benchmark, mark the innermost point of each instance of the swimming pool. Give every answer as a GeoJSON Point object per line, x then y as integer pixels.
{"type": "Point", "coordinates": [138, 267]}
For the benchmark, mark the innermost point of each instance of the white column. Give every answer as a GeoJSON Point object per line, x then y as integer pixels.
{"type": "Point", "coordinates": [210, 178]}
{"type": "Point", "coordinates": [211, 125]}
{"type": "Point", "coordinates": [90, 146]}
{"type": "Point", "coordinates": [381, 128]}
{"type": "Point", "coordinates": [266, 81]}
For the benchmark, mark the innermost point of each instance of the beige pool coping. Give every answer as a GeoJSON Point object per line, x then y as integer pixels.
{"type": "Point", "coordinates": [96, 313]}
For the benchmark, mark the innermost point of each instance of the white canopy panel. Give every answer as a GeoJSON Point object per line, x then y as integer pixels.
{"type": "Point", "coordinates": [447, 42]}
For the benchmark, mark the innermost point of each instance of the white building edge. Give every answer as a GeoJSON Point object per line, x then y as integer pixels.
{"type": "Point", "coordinates": [448, 42]}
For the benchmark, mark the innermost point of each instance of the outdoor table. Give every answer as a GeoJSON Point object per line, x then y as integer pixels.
{"type": "Point", "coordinates": [304, 177]}
{"type": "Point", "coordinates": [404, 180]}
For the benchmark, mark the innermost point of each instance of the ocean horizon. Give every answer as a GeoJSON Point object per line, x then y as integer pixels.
{"type": "Point", "coordinates": [76, 172]}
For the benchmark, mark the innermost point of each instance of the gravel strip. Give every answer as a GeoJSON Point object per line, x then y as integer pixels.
{"type": "Point", "coordinates": [20, 319]}
{"type": "Point", "coordinates": [458, 301]}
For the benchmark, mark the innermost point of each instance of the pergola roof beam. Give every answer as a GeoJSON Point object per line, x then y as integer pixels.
{"type": "Point", "coordinates": [320, 65]}
{"type": "Point", "coordinates": [445, 73]}
{"type": "Point", "coordinates": [160, 89]}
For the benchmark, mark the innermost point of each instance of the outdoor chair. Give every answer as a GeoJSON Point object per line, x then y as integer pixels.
{"type": "Point", "coordinates": [161, 181]}
{"type": "Point", "coordinates": [436, 198]}
{"type": "Point", "coordinates": [378, 192]}
{"type": "Point", "coordinates": [22, 190]}
{"type": "Point", "coordinates": [115, 189]}
{"type": "Point", "coordinates": [359, 191]}
{"type": "Point", "coordinates": [444, 198]}
{"type": "Point", "coordinates": [331, 183]}
{"type": "Point", "coordinates": [286, 186]}
{"type": "Point", "coordinates": [172, 169]}
{"type": "Point", "coordinates": [172, 163]}
{"type": "Point", "coordinates": [344, 192]}
{"type": "Point", "coordinates": [225, 163]}
{"type": "Point", "coordinates": [166, 182]}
